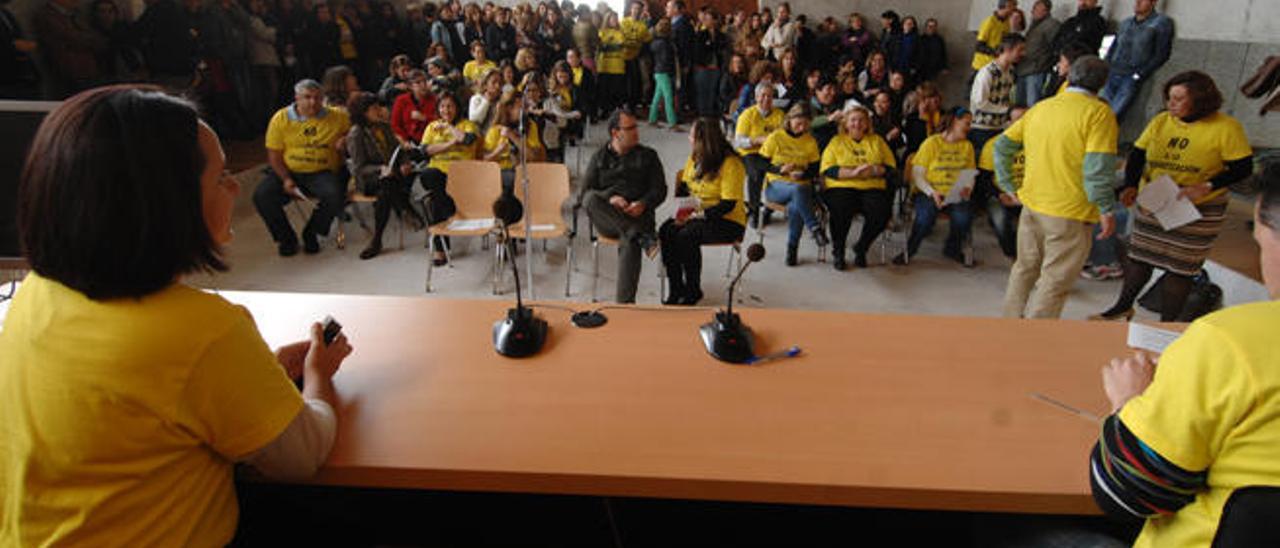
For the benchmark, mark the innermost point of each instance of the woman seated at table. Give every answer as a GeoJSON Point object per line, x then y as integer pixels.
{"type": "Point", "coordinates": [448, 139]}
{"type": "Point", "coordinates": [714, 175]}
{"type": "Point", "coordinates": [793, 167]}
{"type": "Point", "coordinates": [1202, 150]}
{"type": "Point", "coordinates": [503, 144]}
{"type": "Point", "coordinates": [128, 395]}
{"type": "Point", "coordinates": [370, 145]}
{"type": "Point", "coordinates": [855, 165]}
{"type": "Point", "coordinates": [936, 167]}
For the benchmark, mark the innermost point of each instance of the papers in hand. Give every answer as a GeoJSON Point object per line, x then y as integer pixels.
{"type": "Point", "coordinates": [964, 180]}
{"type": "Point", "coordinates": [1160, 197]}
{"type": "Point", "coordinates": [1151, 339]}
{"type": "Point", "coordinates": [471, 224]}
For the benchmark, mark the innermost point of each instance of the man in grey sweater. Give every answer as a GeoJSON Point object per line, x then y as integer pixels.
{"type": "Point", "coordinates": [1034, 69]}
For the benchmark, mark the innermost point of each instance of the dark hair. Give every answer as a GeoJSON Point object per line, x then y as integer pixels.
{"type": "Point", "coordinates": [761, 68]}
{"type": "Point", "coordinates": [709, 147]}
{"type": "Point", "coordinates": [1076, 50]}
{"type": "Point", "coordinates": [1009, 42]}
{"type": "Point", "coordinates": [447, 96]}
{"type": "Point", "coordinates": [1205, 97]}
{"type": "Point", "coordinates": [335, 84]}
{"type": "Point", "coordinates": [109, 201]}
{"type": "Point", "coordinates": [1268, 182]}
{"type": "Point", "coordinates": [358, 105]}
{"type": "Point", "coordinates": [615, 120]}
{"type": "Point", "coordinates": [1089, 72]}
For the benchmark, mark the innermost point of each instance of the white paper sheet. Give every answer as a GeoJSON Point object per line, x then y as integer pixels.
{"type": "Point", "coordinates": [1160, 197]}
{"type": "Point", "coordinates": [1151, 339]}
{"type": "Point", "coordinates": [965, 179]}
{"type": "Point", "coordinates": [543, 228]}
{"type": "Point", "coordinates": [471, 224]}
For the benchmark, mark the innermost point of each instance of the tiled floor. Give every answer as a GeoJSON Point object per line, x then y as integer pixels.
{"type": "Point", "coordinates": [930, 285]}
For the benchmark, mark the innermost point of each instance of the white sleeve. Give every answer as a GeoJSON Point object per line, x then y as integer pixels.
{"type": "Point", "coordinates": [304, 445]}
{"type": "Point", "coordinates": [980, 93]}
{"type": "Point", "coordinates": [479, 109]}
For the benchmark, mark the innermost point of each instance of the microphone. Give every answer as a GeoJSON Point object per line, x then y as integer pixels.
{"type": "Point", "coordinates": [520, 334]}
{"type": "Point", "coordinates": [726, 338]}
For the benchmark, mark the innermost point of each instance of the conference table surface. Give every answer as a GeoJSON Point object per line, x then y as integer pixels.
{"type": "Point", "coordinates": [887, 411]}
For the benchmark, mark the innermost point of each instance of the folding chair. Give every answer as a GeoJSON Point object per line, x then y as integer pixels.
{"type": "Point", "coordinates": [474, 186]}
{"type": "Point", "coordinates": [549, 190]}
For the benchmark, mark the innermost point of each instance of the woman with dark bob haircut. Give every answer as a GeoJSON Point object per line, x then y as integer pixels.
{"type": "Point", "coordinates": [126, 395]}
{"type": "Point", "coordinates": [1203, 151]}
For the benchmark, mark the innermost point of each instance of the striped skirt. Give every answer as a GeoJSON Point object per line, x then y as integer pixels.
{"type": "Point", "coordinates": [1183, 249]}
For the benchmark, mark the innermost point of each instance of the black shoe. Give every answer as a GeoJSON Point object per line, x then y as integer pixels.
{"type": "Point", "coordinates": [766, 217]}
{"type": "Point", "coordinates": [820, 237]}
{"type": "Point", "coordinates": [440, 259]}
{"type": "Point", "coordinates": [753, 220]}
{"type": "Point", "coordinates": [691, 297]}
{"type": "Point", "coordinates": [370, 252]}
{"type": "Point", "coordinates": [839, 264]}
{"type": "Point", "coordinates": [900, 260]}
{"type": "Point", "coordinates": [288, 248]}
{"type": "Point", "coordinates": [310, 245]}
{"type": "Point", "coordinates": [860, 260]}
{"type": "Point", "coordinates": [791, 255]}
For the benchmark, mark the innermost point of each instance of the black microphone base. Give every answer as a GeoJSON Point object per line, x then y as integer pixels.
{"type": "Point", "coordinates": [520, 334]}
{"type": "Point", "coordinates": [727, 339]}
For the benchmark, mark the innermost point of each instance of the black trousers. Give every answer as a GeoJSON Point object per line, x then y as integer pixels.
{"type": "Point", "coordinates": [682, 249]}
{"type": "Point", "coordinates": [328, 188]}
{"type": "Point", "coordinates": [756, 167]}
{"type": "Point", "coordinates": [843, 203]}
{"type": "Point", "coordinates": [439, 204]}
{"type": "Point", "coordinates": [393, 194]}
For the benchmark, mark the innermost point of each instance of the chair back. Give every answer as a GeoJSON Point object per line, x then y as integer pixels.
{"type": "Point", "coordinates": [1249, 518]}
{"type": "Point", "coordinates": [548, 190]}
{"type": "Point", "coordinates": [474, 185]}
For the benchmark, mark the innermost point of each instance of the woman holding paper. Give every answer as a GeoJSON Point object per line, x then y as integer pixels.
{"type": "Point", "coordinates": [938, 167]}
{"type": "Point", "coordinates": [855, 165]}
{"type": "Point", "coordinates": [713, 177]}
{"type": "Point", "coordinates": [1201, 150]}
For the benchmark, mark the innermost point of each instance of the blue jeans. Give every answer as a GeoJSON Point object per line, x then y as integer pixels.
{"type": "Point", "coordinates": [1031, 89]}
{"type": "Point", "coordinates": [799, 201]}
{"type": "Point", "coordinates": [1120, 91]}
{"type": "Point", "coordinates": [1110, 250]}
{"type": "Point", "coordinates": [927, 214]}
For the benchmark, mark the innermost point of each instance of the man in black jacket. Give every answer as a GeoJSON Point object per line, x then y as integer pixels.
{"type": "Point", "coordinates": [682, 35]}
{"type": "Point", "coordinates": [1085, 27]}
{"type": "Point", "coordinates": [622, 187]}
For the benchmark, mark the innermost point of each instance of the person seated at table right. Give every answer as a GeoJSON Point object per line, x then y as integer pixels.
{"type": "Point", "coordinates": [714, 175]}
{"type": "Point", "coordinates": [935, 169]}
{"type": "Point", "coordinates": [855, 165]}
{"type": "Point", "coordinates": [303, 140]}
{"type": "Point", "coordinates": [793, 158]}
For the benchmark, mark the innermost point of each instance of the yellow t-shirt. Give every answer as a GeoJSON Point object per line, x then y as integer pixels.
{"type": "Point", "coordinates": [987, 161]}
{"type": "Point", "coordinates": [726, 184]}
{"type": "Point", "coordinates": [843, 151]}
{"type": "Point", "coordinates": [473, 70]}
{"type": "Point", "coordinates": [440, 132]}
{"type": "Point", "coordinates": [943, 161]}
{"type": "Point", "coordinates": [122, 418]}
{"type": "Point", "coordinates": [346, 39]}
{"type": "Point", "coordinates": [781, 149]}
{"type": "Point", "coordinates": [1214, 405]}
{"type": "Point", "coordinates": [637, 35]}
{"type": "Point", "coordinates": [493, 139]}
{"type": "Point", "coordinates": [577, 75]}
{"type": "Point", "coordinates": [752, 124]}
{"type": "Point", "coordinates": [1191, 154]}
{"type": "Point", "coordinates": [990, 33]}
{"type": "Point", "coordinates": [307, 143]}
{"type": "Point", "coordinates": [1056, 134]}
{"type": "Point", "coordinates": [609, 56]}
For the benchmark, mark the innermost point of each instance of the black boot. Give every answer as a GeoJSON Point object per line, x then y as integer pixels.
{"type": "Point", "coordinates": [837, 260]}
{"type": "Point", "coordinates": [791, 255]}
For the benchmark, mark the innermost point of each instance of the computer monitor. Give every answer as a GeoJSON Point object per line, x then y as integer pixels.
{"type": "Point", "coordinates": [19, 121]}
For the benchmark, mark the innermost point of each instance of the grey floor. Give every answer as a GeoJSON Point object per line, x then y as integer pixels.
{"type": "Point", "coordinates": [931, 285]}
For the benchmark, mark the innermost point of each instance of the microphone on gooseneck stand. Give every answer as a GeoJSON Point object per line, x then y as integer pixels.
{"type": "Point", "coordinates": [727, 339]}
{"type": "Point", "coordinates": [520, 333]}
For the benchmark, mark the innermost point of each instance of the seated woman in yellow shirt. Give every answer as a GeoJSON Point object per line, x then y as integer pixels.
{"type": "Point", "coordinates": [855, 165]}
{"type": "Point", "coordinates": [127, 396]}
{"type": "Point", "coordinates": [793, 158]}
{"type": "Point", "coordinates": [448, 139]}
{"type": "Point", "coordinates": [713, 175]}
{"type": "Point", "coordinates": [503, 144]}
{"type": "Point", "coordinates": [936, 168]}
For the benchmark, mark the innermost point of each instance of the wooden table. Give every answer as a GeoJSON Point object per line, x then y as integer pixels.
{"type": "Point", "coordinates": [881, 411]}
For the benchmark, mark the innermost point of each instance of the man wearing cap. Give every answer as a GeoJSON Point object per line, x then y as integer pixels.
{"type": "Point", "coordinates": [1070, 146]}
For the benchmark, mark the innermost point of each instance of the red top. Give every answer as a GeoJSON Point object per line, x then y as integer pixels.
{"type": "Point", "coordinates": [402, 122]}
